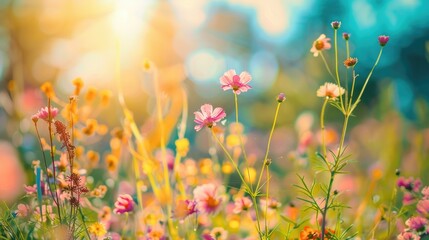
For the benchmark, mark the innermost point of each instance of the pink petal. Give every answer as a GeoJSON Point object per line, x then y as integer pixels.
{"type": "Point", "coordinates": [218, 114]}
{"type": "Point", "coordinates": [206, 110]}
{"type": "Point", "coordinates": [199, 118]}
{"type": "Point", "coordinates": [198, 127]}
{"type": "Point", "coordinates": [230, 73]}
{"type": "Point", "coordinates": [245, 77]}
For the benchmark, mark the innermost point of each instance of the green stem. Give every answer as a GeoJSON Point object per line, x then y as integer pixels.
{"type": "Point", "coordinates": [258, 225]}
{"type": "Point", "coordinates": [266, 201]}
{"type": "Point", "coordinates": [336, 66]}
{"type": "Point", "coordinates": [230, 158]}
{"type": "Point", "coordinates": [327, 66]}
{"type": "Point", "coordinates": [322, 127]}
{"type": "Point", "coordinates": [53, 159]}
{"type": "Point", "coordinates": [240, 134]}
{"type": "Point", "coordinates": [325, 209]}
{"type": "Point", "coordinates": [268, 146]}
{"type": "Point", "coordinates": [366, 81]}
{"type": "Point", "coordinates": [343, 135]}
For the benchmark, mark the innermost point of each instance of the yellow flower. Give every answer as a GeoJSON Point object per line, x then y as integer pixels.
{"type": "Point", "coordinates": [206, 166]}
{"type": "Point", "coordinates": [105, 97]}
{"type": "Point", "coordinates": [48, 90]}
{"type": "Point", "coordinates": [233, 140]}
{"type": "Point", "coordinates": [90, 95]}
{"type": "Point", "coordinates": [182, 146]}
{"type": "Point", "coordinates": [227, 167]}
{"type": "Point", "coordinates": [97, 229]}
{"type": "Point", "coordinates": [111, 162]}
{"type": "Point", "coordinates": [249, 174]}
{"type": "Point", "coordinates": [93, 158]}
{"type": "Point", "coordinates": [78, 83]}
{"type": "Point", "coordinates": [91, 126]}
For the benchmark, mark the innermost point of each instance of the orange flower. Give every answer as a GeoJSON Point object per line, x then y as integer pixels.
{"type": "Point", "coordinates": [309, 233]}
{"type": "Point", "coordinates": [48, 90]}
{"type": "Point", "coordinates": [78, 83]}
{"type": "Point", "coordinates": [322, 43]}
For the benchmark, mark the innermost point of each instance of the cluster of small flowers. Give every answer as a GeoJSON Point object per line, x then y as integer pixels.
{"type": "Point", "coordinates": [309, 233]}
{"type": "Point", "coordinates": [417, 226]}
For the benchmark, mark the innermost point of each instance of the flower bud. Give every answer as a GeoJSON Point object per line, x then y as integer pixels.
{"type": "Point", "coordinates": [346, 36]}
{"type": "Point", "coordinates": [281, 97]}
{"type": "Point", "coordinates": [350, 62]}
{"type": "Point", "coordinates": [383, 39]}
{"type": "Point", "coordinates": [335, 24]}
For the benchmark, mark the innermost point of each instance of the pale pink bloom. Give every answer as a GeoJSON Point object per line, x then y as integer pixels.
{"type": "Point", "coordinates": [238, 83]}
{"type": "Point", "coordinates": [423, 207]}
{"type": "Point", "coordinates": [22, 210]}
{"type": "Point", "coordinates": [322, 43]}
{"type": "Point", "coordinates": [219, 233]}
{"type": "Point", "coordinates": [330, 90]}
{"type": "Point", "coordinates": [242, 204]}
{"type": "Point", "coordinates": [408, 236]}
{"type": "Point", "coordinates": [47, 213]}
{"type": "Point", "coordinates": [43, 113]}
{"type": "Point", "coordinates": [30, 189]}
{"type": "Point", "coordinates": [425, 192]}
{"type": "Point", "coordinates": [416, 223]}
{"type": "Point", "coordinates": [408, 198]}
{"type": "Point", "coordinates": [208, 117]}
{"type": "Point", "coordinates": [124, 204]}
{"type": "Point", "coordinates": [184, 208]}
{"type": "Point", "coordinates": [207, 197]}
{"type": "Point", "coordinates": [272, 204]}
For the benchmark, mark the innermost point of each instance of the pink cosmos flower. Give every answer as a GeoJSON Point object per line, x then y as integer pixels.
{"type": "Point", "coordinates": [30, 189]}
{"type": "Point", "coordinates": [184, 208]}
{"type": "Point", "coordinates": [423, 207]}
{"type": "Point", "coordinates": [124, 204]}
{"type": "Point", "coordinates": [409, 184]}
{"type": "Point", "coordinates": [22, 210]}
{"type": "Point", "coordinates": [207, 198]}
{"type": "Point", "coordinates": [330, 90]}
{"type": "Point", "coordinates": [242, 204]}
{"type": "Point", "coordinates": [408, 198]}
{"type": "Point", "coordinates": [219, 233]}
{"type": "Point", "coordinates": [238, 83]}
{"type": "Point", "coordinates": [425, 192]}
{"type": "Point", "coordinates": [416, 223]}
{"type": "Point", "coordinates": [272, 204]}
{"type": "Point", "coordinates": [322, 43]}
{"type": "Point", "coordinates": [43, 114]}
{"type": "Point", "coordinates": [408, 236]}
{"type": "Point", "coordinates": [208, 117]}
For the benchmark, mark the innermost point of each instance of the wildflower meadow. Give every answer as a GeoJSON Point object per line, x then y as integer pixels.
{"type": "Point", "coordinates": [100, 151]}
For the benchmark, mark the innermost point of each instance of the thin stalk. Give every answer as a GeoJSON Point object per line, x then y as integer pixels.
{"type": "Point", "coordinates": [236, 121]}
{"type": "Point", "coordinates": [230, 158]}
{"type": "Point", "coordinates": [266, 203]}
{"type": "Point", "coordinates": [352, 91]}
{"type": "Point", "coordinates": [325, 208]}
{"type": "Point", "coordinates": [84, 224]}
{"type": "Point", "coordinates": [366, 81]}
{"type": "Point", "coordinates": [53, 158]}
{"type": "Point", "coordinates": [327, 66]}
{"type": "Point", "coordinates": [268, 145]}
{"type": "Point", "coordinates": [322, 126]}
{"type": "Point", "coordinates": [162, 137]}
{"type": "Point", "coordinates": [337, 75]}
{"type": "Point", "coordinates": [44, 160]}
{"type": "Point", "coordinates": [258, 225]}
{"type": "Point", "coordinates": [343, 135]}
{"type": "Point", "coordinates": [332, 175]}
